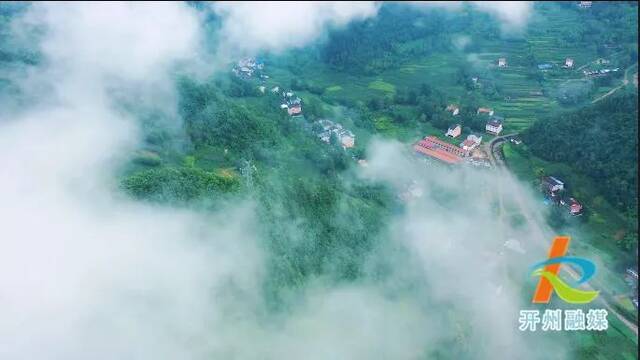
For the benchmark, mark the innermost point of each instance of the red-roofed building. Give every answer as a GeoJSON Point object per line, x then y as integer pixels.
{"type": "Point", "coordinates": [295, 110]}
{"type": "Point", "coordinates": [438, 154]}
{"type": "Point", "coordinates": [438, 149]}
{"type": "Point", "coordinates": [483, 110]}
{"type": "Point", "coordinates": [434, 142]}
{"type": "Point", "coordinates": [575, 208]}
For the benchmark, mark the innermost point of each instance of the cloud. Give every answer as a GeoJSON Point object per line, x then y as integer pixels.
{"type": "Point", "coordinates": [512, 15]}
{"type": "Point", "coordinates": [85, 272]}
{"type": "Point", "coordinates": [250, 27]}
{"type": "Point", "coordinates": [461, 41]}
{"type": "Point", "coordinates": [456, 233]}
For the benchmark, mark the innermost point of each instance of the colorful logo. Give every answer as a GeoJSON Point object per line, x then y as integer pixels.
{"type": "Point", "coordinates": [549, 280]}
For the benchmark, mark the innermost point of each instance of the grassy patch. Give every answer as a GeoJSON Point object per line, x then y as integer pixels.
{"type": "Point", "coordinates": [382, 86]}
{"type": "Point", "coordinates": [333, 88]}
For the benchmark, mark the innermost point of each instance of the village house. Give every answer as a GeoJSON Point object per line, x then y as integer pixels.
{"type": "Point", "coordinates": [294, 110]}
{"type": "Point", "coordinates": [275, 89]}
{"type": "Point", "coordinates": [246, 67]}
{"type": "Point", "coordinates": [494, 125]}
{"type": "Point", "coordinates": [470, 143]}
{"type": "Point", "coordinates": [585, 4]}
{"type": "Point", "coordinates": [454, 131]}
{"type": "Point", "coordinates": [575, 208]}
{"type": "Point", "coordinates": [551, 184]}
{"type": "Point", "coordinates": [484, 110]}
{"type": "Point", "coordinates": [346, 138]}
{"type": "Point", "coordinates": [502, 62]}
{"type": "Point", "coordinates": [453, 109]}
{"type": "Point", "coordinates": [602, 61]}
{"type": "Point", "coordinates": [568, 63]}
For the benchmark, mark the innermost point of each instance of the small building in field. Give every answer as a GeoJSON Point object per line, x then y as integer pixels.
{"type": "Point", "coordinates": [585, 4]}
{"type": "Point", "coordinates": [551, 184]}
{"type": "Point", "coordinates": [454, 131]}
{"type": "Point", "coordinates": [494, 125]}
{"type": "Point", "coordinates": [484, 110]}
{"type": "Point", "coordinates": [545, 66]}
{"type": "Point", "coordinates": [502, 62]}
{"type": "Point", "coordinates": [453, 109]}
{"type": "Point", "coordinates": [568, 63]}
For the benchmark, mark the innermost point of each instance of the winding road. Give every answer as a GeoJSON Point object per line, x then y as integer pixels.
{"type": "Point", "coordinates": [537, 223]}
{"type": "Point", "coordinates": [625, 81]}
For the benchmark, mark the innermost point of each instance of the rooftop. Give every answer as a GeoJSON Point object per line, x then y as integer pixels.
{"type": "Point", "coordinates": [438, 154]}
{"type": "Point", "coordinates": [494, 122]}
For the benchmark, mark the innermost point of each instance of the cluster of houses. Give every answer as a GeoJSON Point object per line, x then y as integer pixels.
{"type": "Point", "coordinates": [247, 67]}
{"type": "Point", "coordinates": [290, 102]}
{"type": "Point", "coordinates": [568, 64]}
{"type": "Point", "coordinates": [553, 188]}
{"type": "Point", "coordinates": [344, 136]}
{"type": "Point", "coordinates": [448, 153]}
{"type": "Point", "coordinates": [599, 73]}
{"type": "Point", "coordinates": [493, 126]}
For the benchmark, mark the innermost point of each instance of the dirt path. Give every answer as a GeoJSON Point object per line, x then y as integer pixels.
{"type": "Point", "coordinates": [625, 81]}
{"type": "Point", "coordinates": [537, 223]}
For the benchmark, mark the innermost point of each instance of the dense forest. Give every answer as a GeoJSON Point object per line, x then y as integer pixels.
{"type": "Point", "coordinates": [600, 141]}
{"type": "Point", "coordinates": [253, 151]}
{"type": "Point", "coordinates": [372, 46]}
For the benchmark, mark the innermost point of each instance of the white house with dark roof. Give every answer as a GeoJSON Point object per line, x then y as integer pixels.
{"type": "Point", "coordinates": [494, 125]}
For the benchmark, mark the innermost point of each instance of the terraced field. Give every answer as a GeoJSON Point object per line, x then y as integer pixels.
{"type": "Point", "coordinates": [525, 93]}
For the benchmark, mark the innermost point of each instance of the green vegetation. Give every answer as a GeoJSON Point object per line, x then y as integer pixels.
{"type": "Point", "coordinates": [179, 185]}
{"type": "Point", "coordinates": [382, 86]}
{"type": "Point", "coordinates": [599, 141]}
